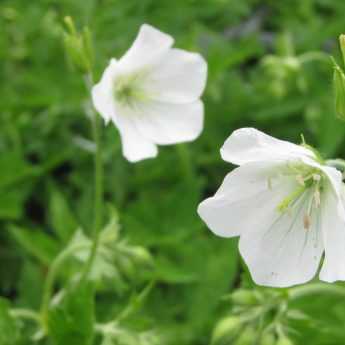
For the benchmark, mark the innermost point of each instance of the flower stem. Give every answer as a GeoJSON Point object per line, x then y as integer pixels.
{"type": "Point", "coordinates": [302, 291]}
{"type": "Point", "coordinates": [49, 283]}
{"type": "Point", "coordinates": [185, 162]}
{"type": "Point", "coordinates": [98, 193]}
{"type": "Point", "coordinates": [52, 274]}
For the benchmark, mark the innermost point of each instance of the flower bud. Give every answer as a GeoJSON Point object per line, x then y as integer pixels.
{"type": "Point", "coordinates": [245, 297]}
{"type": "Point", "coordinates": [226, 330]}
{"type": "Point", "coordinates": [342, 46]}
{"type": "Point", "coordinates": [339, 89]}
{"type": "Point", "coordinates": [141, 256]}
{"type": "Point", "coordinates": [78, 47]}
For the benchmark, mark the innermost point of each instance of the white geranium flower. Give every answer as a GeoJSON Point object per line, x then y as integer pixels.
{"type": "Point", "coordinates": [285, 205]}
{"type": "Point", "coordinates": [152, 94]}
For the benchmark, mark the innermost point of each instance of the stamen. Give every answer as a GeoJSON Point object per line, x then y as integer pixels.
{"type": "Point", "coordinates": [317, 197]}
{"type": "Point", "coordinates": [269, 183]}
{"type": "Point", "coordinates": [306, 221]}
{"type": "Point", "coordinates": [128, 90]}
{"type": "Point", "coordinates": [290, 198]}
{"type": "Point", "coordinates": [316, 177]}
{"type": "Point", "coordinates": [300, 180]}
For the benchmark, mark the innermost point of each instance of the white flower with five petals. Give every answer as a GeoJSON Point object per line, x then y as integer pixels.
{"type": "Point", "coordinates": [285, 205]}
{"type": "Point", "coordinates": [152, 94]}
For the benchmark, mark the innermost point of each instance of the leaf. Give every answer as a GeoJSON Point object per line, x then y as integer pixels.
{"type": "Point", "coordinates": [9, 332]}
{"type": "Point", "coordinates": [61, 217]}
{"type": "Point", "coordinates": [71, 321]}
{"type": "Point", "coordinates": [36, 243]}
{"type": "Point", "coordinates": [13, 169]}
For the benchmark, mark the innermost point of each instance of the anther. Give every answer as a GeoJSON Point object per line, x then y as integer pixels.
{"type": "Point", "coordinates": [306, 221]}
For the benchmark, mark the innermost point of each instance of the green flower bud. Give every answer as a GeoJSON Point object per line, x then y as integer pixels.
{"type": "Point", "coordinates": [78, 47]}
{"type": "Point", "coordinates": [226, 330]}
{"type": "Point", "coordinates": [339, 89]}
{"type": "Point", "coordinates": [342, 46]}
{"type": "Point", "coordinates": [245, 297]}
{"type": "Point", "coordinates": [248, 336]}
{"type": "Point", "coordinates": [141, 256]}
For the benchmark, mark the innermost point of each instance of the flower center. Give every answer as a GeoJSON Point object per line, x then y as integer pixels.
{"type": "Point", "coordinates": [309, 180]}
{"type": "Point", "coordinates": [128, 89]}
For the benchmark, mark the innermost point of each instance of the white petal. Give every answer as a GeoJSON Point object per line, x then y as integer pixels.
{"type": "Point", "coordinates": [242, 195]}
{"type": "Point", "coordinates": [150, 45]}
{"type": "Point", "coordinates": [135, 146]}
{"type": "Point", "coordinates": [102, 93]}
{"type": "Point", "coordinates": [280, 251]}
{"type": "Point", "coordinates": [248, 145]}
{"type": "Point", "coordinates": [333, 229]}
{"type": "Point", "coordinates": [335, 179]}
{"type": "Point", "coordinates": [165, 123]}
{"type": "Point", "coordinates": [180, 77]}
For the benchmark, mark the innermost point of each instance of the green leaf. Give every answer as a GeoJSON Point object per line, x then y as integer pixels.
{"type": "Point", "coordinates": [71, 321]}
{"type": "Point", "coordinates": [11, 203]}
{"type": "Point", "coordinates": [61, 217]}
{"type": "Point", "coordinates": [14, 169]}
{"type": "Point", "coordinates": [36, 243]}
{"type": "Point", "coordinates": [9, 332]}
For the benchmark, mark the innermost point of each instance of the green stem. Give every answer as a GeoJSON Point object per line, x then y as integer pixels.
{"type": "Point", "coordinates": [185, 162]}
{"type": "Point", "coordinates": [302, 291]}
{"type": "Point", "coordinates": [49, 282]}
{"type": "Point", "coordinates": [26, 314]}
{"type": "Point", "coordinates": [98, 196]}
{"type": "Point", "coordinates": [314, 56]}
{"type": "Point", "coordinates": [53, 272]}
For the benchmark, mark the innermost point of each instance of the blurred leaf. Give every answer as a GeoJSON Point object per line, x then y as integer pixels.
{"type": "Point", "coordinates": [36, 243]}
{"type": "Point", "coordinates": [61, 217]}
{"type": "Point", "coordinates": [9, 332]}
{"type": "Point", "coordinates": [14, 169]}
{"type": "Point", "coordinates": [71, 321]}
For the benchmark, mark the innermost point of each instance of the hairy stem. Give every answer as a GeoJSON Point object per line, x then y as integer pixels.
{"type": "Point", "coordinates": [98, 193]}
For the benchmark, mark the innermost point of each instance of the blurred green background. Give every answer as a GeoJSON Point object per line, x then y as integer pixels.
{"type": "Point", "coordinates": [46, 167]}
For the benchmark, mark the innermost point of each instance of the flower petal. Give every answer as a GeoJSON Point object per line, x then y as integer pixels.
{"type": "Point", "coordinates": [135, 146]}
{"type": "Point", "coordinates": [165, 123]}
{"type": "Point", "coordinates": [149, 45]}
{"type": "Point", "coordinates": [242, 195]}
{"type": "Point", "coordinates": [281, 251]}
{"type": "Point", "coordinates": [102, 93]}
{"type": "Point", "coordinates": [333, 229]}
{"type": "Point", "coordinates": [248, 145]}
{"type": "Point", "coordinates": [180, 77]}
{"type": "Point", "coordinates": [335, 179]}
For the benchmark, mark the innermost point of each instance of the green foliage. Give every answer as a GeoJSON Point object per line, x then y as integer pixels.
{"type": "Point", "coordinates": [71, 321]}
{"type": "Point", "coordinates": [267, 69]}
{"type": "Point", "coordinates": [9, 332]}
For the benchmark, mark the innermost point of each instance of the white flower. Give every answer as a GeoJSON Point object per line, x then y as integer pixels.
{"type": "Point", "coordinates": [152, 94]}
{"type": "Point", "coordinates": [285, 205]}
